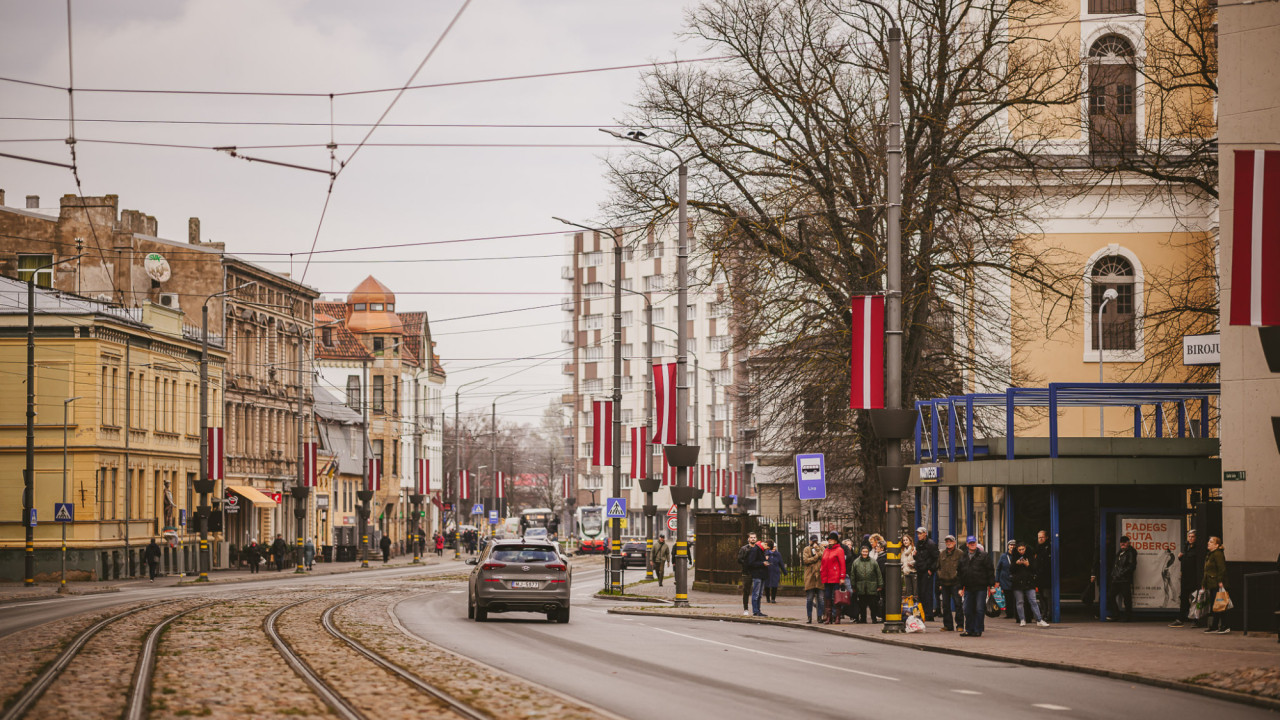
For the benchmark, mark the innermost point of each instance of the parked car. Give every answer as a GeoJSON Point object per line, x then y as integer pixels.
{"type": "Point", "coordinates": [519, 576]}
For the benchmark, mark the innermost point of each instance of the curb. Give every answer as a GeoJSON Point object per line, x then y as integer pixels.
{"type": "Point", "coordinates": [632, 598]}
{"type": "Point", "coordinates": [1216, 693]}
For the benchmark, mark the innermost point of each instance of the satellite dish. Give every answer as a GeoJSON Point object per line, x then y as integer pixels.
{"type": "Point", "coordinates": [157, 267]}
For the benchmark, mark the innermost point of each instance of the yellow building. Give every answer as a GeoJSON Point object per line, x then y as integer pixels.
{"type": "Point", "coordinates": [128, 381]}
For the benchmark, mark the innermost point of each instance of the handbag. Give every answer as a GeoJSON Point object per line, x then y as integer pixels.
{"type": "Point", "coordinates": [998, 596]}
{"type": "Point", "coordinates": [993, 610]}
{"type": "Point", "coordinates": [842, 597]}
{"type": "Point", "coordinates": [1222, 602]}
{"type": "Point", "coordinates": [1197, 608]}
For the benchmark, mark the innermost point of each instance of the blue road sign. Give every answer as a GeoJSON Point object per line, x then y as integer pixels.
{"type": "Point", "coordinates": [32, 519]}
{"type": "Point", "coordinates": [477, 509]}
{"type": "Point", "coordinates": [493, 517]}
{"type": "Point", "coordinates": [615, 507]}
{"type": "Point", "coordinates": [182, 516]}
{"type": "Point", "coordinates": [64, 512]}
{"type": "Point", "coordinates": [811, 476]}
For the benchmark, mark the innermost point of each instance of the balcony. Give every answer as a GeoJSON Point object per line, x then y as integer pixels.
{"type": "Point", "coordinates": [566, 337]}
{"type": "Point", "coordinates": [566, 304]}
{"type": "Point", "coordinates": [569, 369]}
{"type": "Point", "coordinates": [566, 272]}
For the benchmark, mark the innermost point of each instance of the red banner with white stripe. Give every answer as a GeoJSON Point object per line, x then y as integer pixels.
{"type": "Point", "coordinates": [602, 432]}
{"type": "Point", "coordinates": [639, 453]}
{"type": "Point", "coordinates": [866, 379]}
{"type": "Point", "coordinates": [722, 487]}
{"type": "Point", "coordinates": [309, 469]}
{"type": "Point", "coordinates": [464, 485]}
{"type": "Point", "coordinates": [214, 462]}
{"type": "Point", "coordinates": [664, 400]}
{"type": "Point", "coordinates": [1255, 239]}
{"type": "Point", "coordinates": [668, 472]}
{"type": "Point", "coordinates": [499, 485]}
{"type": "Point", "coordinates": [423, 484]}
{"type": "Point", "coordinates": [373, 475]}
{"type": "Point", "coordinates": [568, 485]}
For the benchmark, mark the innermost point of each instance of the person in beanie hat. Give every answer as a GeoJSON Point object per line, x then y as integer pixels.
{"type": "Point", "coordinates": [811, 559]}
{"type": "Point", "coordinates": [949, 584]}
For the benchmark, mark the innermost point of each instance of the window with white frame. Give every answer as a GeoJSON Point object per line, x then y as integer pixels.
{"type": "Point", "coordinates": [593, 352]}
{"type": "Point", "coordinates": [627, 385]}
{"type": "Point", "coordinates": [653, 282]}
{"type": "Point", "coordinates": [586, 449]}
{"type": "Point", "coordinates": [659, 315]}
{"type": "Point", "coordinates": [1119, 316]}
{"type": "Point", "coordinates": [627, 415]}
{"type": "Point", "coordinates": [594, 289]}
{"type": "Point", "coordinates": [627, 318]}
{"type": "Point", "coordinates": [723, 377]}
{"type": "Point", "coordinates": [720, 412]}
{"type": "Point", "coordinates": [659, 349]}
{"type": "Point", "coordinates": [36, 263]}
{"type": "Point", "coordinates": [593, 322]}
{"type": "Point", "coordinates": [592, 387]}
{"type": "Point", "coordinates": [595, 259]}
{"type": "Point", "coordinates": [719, 343]}
{"type": "Point", "coordinates": [627, 284]}
{"type": "Point", "coordinates": [717, 309]}
{"type": "Point", "coordinates": [691, 311]}
{"type": "Point", "coordinates": [626, 352]}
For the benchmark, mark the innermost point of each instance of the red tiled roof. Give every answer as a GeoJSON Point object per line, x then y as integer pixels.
{"type": "Point", "coordinates": [345, 345]}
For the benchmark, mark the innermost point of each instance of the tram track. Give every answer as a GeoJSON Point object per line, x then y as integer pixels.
{"type": "Point", "coordinates": [339, 701]}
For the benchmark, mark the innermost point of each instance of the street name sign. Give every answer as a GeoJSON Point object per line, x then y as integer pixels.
{"type": "Point", "coordinates": [64, 512]}
{"type": "Point", "coordinates": [616, 507]}
{"type": "Point", "coordinates": [811, 477]}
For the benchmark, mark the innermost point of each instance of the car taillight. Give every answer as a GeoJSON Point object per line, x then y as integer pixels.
{"type": "Point", "coordinates": [556, 566]}
{"type": "Point", "coordinates": [492, 566]}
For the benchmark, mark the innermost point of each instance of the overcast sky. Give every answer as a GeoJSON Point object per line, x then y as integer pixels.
{"type": "Point", "coordinates": [387, 195]}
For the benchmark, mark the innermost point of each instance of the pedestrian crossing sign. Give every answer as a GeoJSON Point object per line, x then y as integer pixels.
{"type": "Point", "coordinates": [616, 507]}
{"type": "Point", "coordinates": [64, 512]}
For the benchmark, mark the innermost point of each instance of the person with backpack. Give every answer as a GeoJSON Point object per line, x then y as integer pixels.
{"type": "Point", "coordinates": [743, 552]}
{"type": "Point", "coordinates": [832, 574]}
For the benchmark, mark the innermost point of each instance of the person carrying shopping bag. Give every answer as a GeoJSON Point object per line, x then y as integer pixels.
{"type": "Point", "coordinates": [1215, 587]}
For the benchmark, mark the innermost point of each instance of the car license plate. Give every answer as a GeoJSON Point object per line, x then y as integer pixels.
{"type": "Point", "coordinates": [523, 584]}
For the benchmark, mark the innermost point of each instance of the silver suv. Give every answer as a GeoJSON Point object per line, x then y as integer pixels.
{"type": "Point", "coordinates": [519, 576]}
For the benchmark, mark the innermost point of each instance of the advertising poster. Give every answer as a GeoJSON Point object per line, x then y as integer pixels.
{"type": "Point", "coordinates": [1157, 540]}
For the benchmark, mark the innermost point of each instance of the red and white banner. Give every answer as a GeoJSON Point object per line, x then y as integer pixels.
{"type": "Point", "coordinates": [309, 468]}
{"type": "Point", "coordinates": [722, 487]}
{"type": "Point", "coordinates": [464, 485]}
{"type": "Point", "coordinates": [866, 379]}
{"type": "Point", "coordinates": [568, 485]}
{"type": "Point", "coordinates": [1255, 240]}
{"type": "Point", "coordinates": [373, 475]}
{"type": "Point", "coordinates": [213, 463]}
{"type": "Point", "coordinates": [499, 485]}
{"type": "Point", "coordinates": [639, 453]}
{"type": "Point", "coordinates": [668, 472]}
{"type": "Point", "coordinates": [602, 432]}
{"type": "Point", "coordinates": [664, 400]}
{"type": "Point", "coordinates": [423, 484]}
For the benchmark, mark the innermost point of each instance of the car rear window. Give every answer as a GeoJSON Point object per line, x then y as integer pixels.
{"type": "Point", "coordinates": [633, 546]}
{"type": "Point", "coordinates": [518, 554]}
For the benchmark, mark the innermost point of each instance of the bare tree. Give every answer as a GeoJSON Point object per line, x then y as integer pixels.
{"type": "Point", "coordinates": [786, 147]}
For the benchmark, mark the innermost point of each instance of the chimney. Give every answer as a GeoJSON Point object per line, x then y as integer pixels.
{"type": "Point", "coordinates": [33, 202]}
{"type": "Point", "coordinates": [193, 231]}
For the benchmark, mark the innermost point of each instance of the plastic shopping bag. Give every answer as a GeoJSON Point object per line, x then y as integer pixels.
{"type": "Point", "coordinates": [914, 624]}
{"type": "Point", "coordinates": [1197, 610]}
{"type": "Point", "coordinates": [1222, 602]}
{"type": "Point", "coordinates": [998, 596]}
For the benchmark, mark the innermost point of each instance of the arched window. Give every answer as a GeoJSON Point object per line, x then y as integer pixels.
{"type": "Point", "coordinates": [1113, 79]}
{"type": "Point", "coordinates": [1119, 318]}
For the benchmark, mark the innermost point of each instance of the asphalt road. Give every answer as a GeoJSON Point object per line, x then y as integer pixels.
{"type": "Point", "coordinates": [661, 668]}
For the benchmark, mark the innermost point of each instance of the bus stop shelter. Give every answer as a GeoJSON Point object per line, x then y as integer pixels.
{"type": "Point", "coordinates": [972, 475]}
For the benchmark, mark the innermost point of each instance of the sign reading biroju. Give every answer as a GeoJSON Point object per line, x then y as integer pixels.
{"type": "Point", "coordinates": [1158, 540]}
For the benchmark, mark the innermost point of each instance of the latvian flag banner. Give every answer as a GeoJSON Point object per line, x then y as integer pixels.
{"type": "Point", "coordinates": [1255, 250]}
{"type": "Point", "coordinates": [568, 485]}
{"type": "Point", "coordinates": [866, 386]}
{"type": "Point", "coordinates": [499, 485]}
{"type": "Point", "coordinates": [309, 469]}
{"type": "Point", "coordinates": [664, 399]}
{"type": "Point", "coordinates": [214, 461]}
{"type": "Point", "coordinates": [639, 454]}
{"type": "Point", "coordinates": [373, 479]}
{"type": "Point", "coordinates": [668, 472]}
{"type": "Point", "coordinates": [464, 485]}
{"type": "Point", "coordinates": [704, 476]}
{"type": "Point", "coordinates": [424, 476]}
{"type": "Point", "coordinates": [602, 432]}
{"type": "Point", "coordinates": [721, 488]}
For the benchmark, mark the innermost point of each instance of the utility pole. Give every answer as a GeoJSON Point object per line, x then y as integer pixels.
{"type": "Point", "coordinates": [62, 585]}
{"type": "Point", "coordinates": [366, 493]}
{"type": "Point", "coordinates": [205, 484]}
{"type": "Point", "coordinates": [457, 461]}
{"type": "Point", "coordinates": [300, 489]}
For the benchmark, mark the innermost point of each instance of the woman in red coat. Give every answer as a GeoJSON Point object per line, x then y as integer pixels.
{"type": "Point", "coordinates": [832, 575]}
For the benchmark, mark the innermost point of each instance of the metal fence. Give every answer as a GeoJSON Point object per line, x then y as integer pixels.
{"type": "Point", "coordinates": [720, 536]}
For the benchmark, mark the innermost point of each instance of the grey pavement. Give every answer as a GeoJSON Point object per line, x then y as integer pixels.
{"type": "Point", "coordinates": [1141, 650]}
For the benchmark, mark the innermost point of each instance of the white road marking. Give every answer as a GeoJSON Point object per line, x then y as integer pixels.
{"type": "Point", "coordinates": [1046, 706]}
{"type": "Point", "coordinates": [966, 692]}
{"type": "Point", "coordinates": [456, 592]}
{"type": "Point", "coordinates": [775, 655]}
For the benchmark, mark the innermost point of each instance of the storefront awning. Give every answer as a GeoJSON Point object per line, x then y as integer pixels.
{"type": "Point", "coordinates": [252, 495]}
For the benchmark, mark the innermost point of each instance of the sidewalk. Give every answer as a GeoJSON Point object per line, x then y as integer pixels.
{"type": "Point", "coordinates": [16, 592]}
{"type": "Point", "coordinates": [1230, 666]}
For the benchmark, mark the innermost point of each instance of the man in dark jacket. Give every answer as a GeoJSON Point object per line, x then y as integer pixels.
{"type": "Point", "coordinates": [152, 556]}
{"type": "Point", "coordinates": [757, 565]}
{"type": "Point", "coordinates": [927, 572]}
{"type": "Point", "coordinates": [977, 578]}
{"type": "Point", "coordinates": [743, 553]}
{"type": "Point", "coordinates": [1191, 566]}
{"type": "Point", "coordinates": [1122, 579]}
{"type": "Point", "coordinates": [385, 545]}
{"type": "Point", "coordinates": [1042, 563]}
{"type": "Point", "coordinates": [949, 584]}
{"type": "Point", "coordinates": [278, 548]}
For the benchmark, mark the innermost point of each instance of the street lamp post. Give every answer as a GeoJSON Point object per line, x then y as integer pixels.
{"type": "Point", "coordinates": [457, 478]}
{"type": "Point", "coordinates": [29, 474]}
{"type": "Point", "coordinates": [498, 497]}
{"type": "Point", "coordinates": [615, 527]}
{"type": "Point", "coordinates": [1107, 296]}
{"type": "Point", "coordinates": [62, 585]}
{"type": "Point", "coordinates": [204, 485]}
